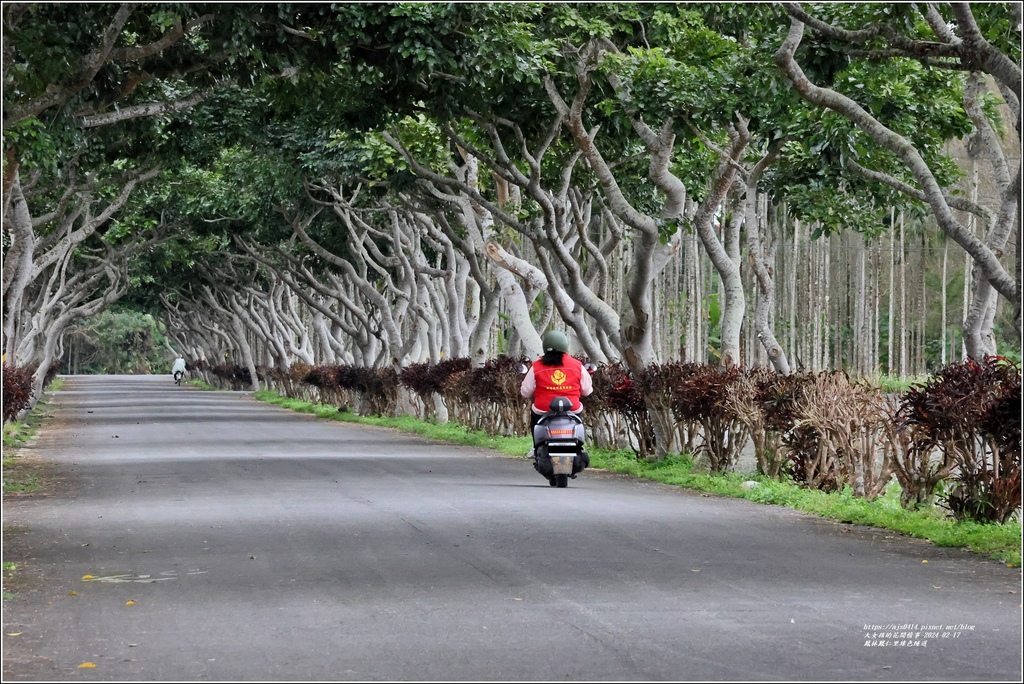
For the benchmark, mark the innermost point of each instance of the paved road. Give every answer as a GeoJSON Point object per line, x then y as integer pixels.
{"type": "Point", "coordinates": [259, 544]}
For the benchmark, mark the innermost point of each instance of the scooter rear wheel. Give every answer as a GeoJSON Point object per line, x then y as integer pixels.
{"type": "Point", "coordinates": [561, 480]}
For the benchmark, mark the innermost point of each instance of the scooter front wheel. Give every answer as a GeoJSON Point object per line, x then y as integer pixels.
{"type": "Point", "coordinates": [561, 480]}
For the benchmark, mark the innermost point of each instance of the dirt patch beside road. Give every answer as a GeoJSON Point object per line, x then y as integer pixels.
{"type": "Point", "coordinates": [27, 478]}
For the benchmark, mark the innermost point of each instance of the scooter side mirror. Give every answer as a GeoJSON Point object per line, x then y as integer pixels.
{"type": "Point", "coordinates": [521, 368]}
{"type": "Point", "coordinates": [590, 368]}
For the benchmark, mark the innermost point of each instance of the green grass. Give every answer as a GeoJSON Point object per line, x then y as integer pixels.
{"type": "Point", "coordinates": [1002, 542]}
{"type": "Point", "coordinates": [17, 433]}
{"type": "Point", "coordinates": [201, 384]}
{"type": "Point", "coordinates": [894, 384]}
{"type": "Point", "coordinates": [18, 479]}
{"type": "Point", "coordinates": [16, 476]}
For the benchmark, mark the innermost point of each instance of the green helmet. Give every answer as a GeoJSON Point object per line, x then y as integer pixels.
{"type": "Point", "coordinates": [555, 340]}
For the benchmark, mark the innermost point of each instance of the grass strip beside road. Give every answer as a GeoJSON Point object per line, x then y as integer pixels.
{"type": "Point", "coordinates": [19, 476]}
{"type": "Point", "coordinates": [1001, 542]}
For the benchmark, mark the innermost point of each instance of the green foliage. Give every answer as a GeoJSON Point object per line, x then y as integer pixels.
{"type": "Point", "coordinates": [118, 341]}
{"type": "Point", "coordinates": [896, 384]}
{"type": "Point", "coordinates": [34, 142]}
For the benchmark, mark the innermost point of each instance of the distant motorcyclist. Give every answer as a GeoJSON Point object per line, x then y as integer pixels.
{"type": "Point", "coordinates": [556, 374]}
{"type": "Point", "coordinates": [178, 369]}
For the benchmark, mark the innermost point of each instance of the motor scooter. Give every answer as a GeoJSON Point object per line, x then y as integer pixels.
{"type": "Point", "coordinates": [558, 439]}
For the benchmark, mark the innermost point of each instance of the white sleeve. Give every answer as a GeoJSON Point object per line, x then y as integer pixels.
{"type": "Point", "coordinates": [586, 384]}
{"type": "Point", "coordinates": [529, 385]}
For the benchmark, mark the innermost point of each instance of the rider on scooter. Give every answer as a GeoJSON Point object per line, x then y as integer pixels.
{"type": "Point", "coordinates": [556, 374]}
{"type": "Point", "coordinates": [179, 366]}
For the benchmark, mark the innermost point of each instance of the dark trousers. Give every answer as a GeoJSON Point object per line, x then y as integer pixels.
{"type": "Point", "coordinates": [534, 419]}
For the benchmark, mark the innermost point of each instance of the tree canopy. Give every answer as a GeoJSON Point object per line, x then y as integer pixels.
{"type": "Point", "coordinates": [393, 183]}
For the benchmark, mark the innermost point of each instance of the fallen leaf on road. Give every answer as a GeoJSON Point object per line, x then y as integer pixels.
{"type": "Point", "coordinates": [86, 665]}
{"type": "Point", "coordinates": [934, 586]}
{"type": "Point", "coordinates": [129, 602]}
{"type": "Point", "coordinates": [694, 570]}
{"type": "Point", "coordinates": [88, 577]}
{"type": "Point", "coordinates": [72, 593]}
{"type": "Point", "coordinates": [924, 561]}
{"type": "Point", "coordinates": [14, 634]}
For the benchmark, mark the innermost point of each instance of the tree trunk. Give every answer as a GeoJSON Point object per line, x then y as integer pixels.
{"type": "Point", "coordinates": [904, 370]}
{"type": "Point", "coordinates": [892, 292]}
{"type": "Point", "coordinates": [17, 268]}
{"type": "Point", "coordinates": [762, 253]}
{"type": "Point", "coordinates": [945, 272]}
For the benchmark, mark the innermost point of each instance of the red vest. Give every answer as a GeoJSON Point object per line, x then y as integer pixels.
{"type": "Point", "coordinates": [558, 381]}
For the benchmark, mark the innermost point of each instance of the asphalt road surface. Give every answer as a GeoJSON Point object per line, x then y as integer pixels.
{"type": "Point", "coordinates": [206, 536]}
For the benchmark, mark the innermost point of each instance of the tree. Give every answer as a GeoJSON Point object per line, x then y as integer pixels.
{"type": "Point", "coordinates": [955, 41]}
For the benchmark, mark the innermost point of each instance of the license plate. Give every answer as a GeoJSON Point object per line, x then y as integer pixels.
{"type": "Point", "coordinates": [562, 465]}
